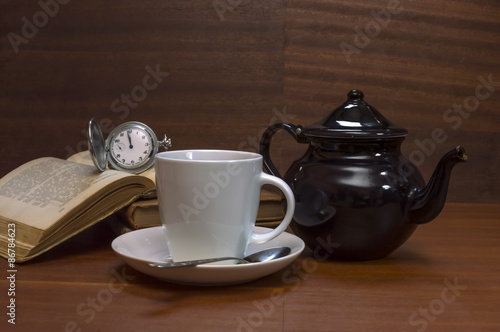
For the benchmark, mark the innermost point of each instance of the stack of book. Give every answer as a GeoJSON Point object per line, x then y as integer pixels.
{"type": "Point", "coordinates": [145, 213]}
{"type": "Point", "coordinates": [48, 200]}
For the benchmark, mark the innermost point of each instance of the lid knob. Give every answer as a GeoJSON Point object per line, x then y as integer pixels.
{"type": "Point", "coordinates": [355, 95]}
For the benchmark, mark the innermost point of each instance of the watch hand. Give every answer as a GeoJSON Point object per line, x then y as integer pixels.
{"type": "Point", "coordinates": [129, 140]}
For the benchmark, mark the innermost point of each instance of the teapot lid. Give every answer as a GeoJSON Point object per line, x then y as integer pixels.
{"type": "Point", "coordinates": [354, 119]}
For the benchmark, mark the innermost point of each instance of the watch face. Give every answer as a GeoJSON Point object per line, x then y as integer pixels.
{"type": "Point", "coordinates": [132, 147]}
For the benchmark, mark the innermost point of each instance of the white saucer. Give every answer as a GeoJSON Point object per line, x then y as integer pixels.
{"type": "Point", "coordinates": [141, 247]}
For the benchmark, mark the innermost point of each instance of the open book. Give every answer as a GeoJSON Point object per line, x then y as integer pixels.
{"type": "Point", "coordinates": [48, 200]}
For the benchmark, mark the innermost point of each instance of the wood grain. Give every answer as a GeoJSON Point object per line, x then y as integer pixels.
{"type": "Point", "coordinates": [231, 74]}
{"type": "Point", "coordinates": [454, 258]}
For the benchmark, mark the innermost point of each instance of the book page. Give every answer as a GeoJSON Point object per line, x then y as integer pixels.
{"type": "Point", "coordinates": [85, 158]}
{"type": "Point", "coordinates": [82, 158]}
{"type": "Point", "coordinates": [41, 192]}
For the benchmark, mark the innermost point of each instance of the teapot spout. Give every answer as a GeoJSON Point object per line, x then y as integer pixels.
{"type": "Point", "coordinates": [425, 204]}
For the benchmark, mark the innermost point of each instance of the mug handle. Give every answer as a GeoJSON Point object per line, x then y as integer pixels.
{"type": "Point", "coordinates": [290, 207]}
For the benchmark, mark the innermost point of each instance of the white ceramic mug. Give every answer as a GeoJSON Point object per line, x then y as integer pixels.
{"type": "Point", "coordinates": [209, 199]}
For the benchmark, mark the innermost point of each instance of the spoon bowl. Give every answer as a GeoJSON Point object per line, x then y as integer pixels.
{"type": "Point", "coordinates": [257, 257]}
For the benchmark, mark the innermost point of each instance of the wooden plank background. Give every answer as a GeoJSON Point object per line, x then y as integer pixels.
{"type": "Point", "coordinates": [229, 68]}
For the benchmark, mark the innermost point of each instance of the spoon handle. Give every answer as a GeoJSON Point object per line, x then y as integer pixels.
{"type": "Point", "coordinates": [197, 262]}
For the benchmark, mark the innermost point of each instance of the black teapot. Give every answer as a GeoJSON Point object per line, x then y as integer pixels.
{"type": "Point", "coordinates": [354, 190]}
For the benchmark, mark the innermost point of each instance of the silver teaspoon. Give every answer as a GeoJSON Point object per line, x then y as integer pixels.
{"type": "Point", "coordinates": [260, 256]}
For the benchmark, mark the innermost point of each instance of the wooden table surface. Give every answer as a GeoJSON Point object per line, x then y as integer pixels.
{"type": "Point", "coordinates": [446, 277]}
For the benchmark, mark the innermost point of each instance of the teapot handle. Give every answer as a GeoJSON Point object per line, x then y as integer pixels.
{"type": "Point", "coordinates": [265, 143]}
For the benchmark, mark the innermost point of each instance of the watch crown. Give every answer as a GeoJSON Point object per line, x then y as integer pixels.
{"type": "Point", "coordinates": [166, 143]}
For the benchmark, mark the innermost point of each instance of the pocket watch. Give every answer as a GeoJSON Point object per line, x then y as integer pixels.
{"type": "Point", "coordinates": [130, 147]}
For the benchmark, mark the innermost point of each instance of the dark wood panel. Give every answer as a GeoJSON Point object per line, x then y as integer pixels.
{"type": "Point", "coordinates": [264, 61]}
{"type": "Point", "coordinates": [225, 77]}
